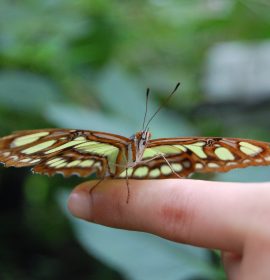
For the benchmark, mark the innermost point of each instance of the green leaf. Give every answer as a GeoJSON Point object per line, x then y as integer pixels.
{"type": "Point", "coordinates": [26, 91]}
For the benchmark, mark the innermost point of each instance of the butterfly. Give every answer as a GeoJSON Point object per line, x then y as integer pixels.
{"type": "Point", "coordinates": [84, 152]}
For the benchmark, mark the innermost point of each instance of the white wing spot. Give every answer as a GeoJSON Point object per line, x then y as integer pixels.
{"type": "Point", "coordinates": [180, 147]}
{"type": "Point", "coordinates": [27, 139]}
{"type": "Point", "coordinates": [62, 164]}
{"type": "Point", "coordinates": [56, 162]}
{"type": "Point", "coordinates": [66, 145]}
{"type": "Point", "coordinates": [213, 165]}
{"type": "Point", "coordinates": [154, 173]}
{"type": "Point", "coordinates": [35, 160]}
{"type": "Point", "coordinates": [267, 158]}
{"type": "Point", "coordinates": [141, 171]}
{"type": "Point", "coordinates": [80, 138]}
{"type": "Point", "coordinates": [87, 163]}
{"type": "Point", "coordinates": [25, 160]}
{"type": "Point", "coordinates": [165, 169]}
{"type": "Point", "coordinates": [197, 149]}
{"type": "Point", "coordinates": [231, 163]}
{"type": "Point", "coordinates": [15, 158]}
{"type": "Point", "coordinates": [177, 167]}
{"type": "Point", "coordinates": [198, 166]}
{"type": "Point", "coordinates": [163, 150]}
{"type": "Point", "coordinates": [224, 153]}
{"type": "Point", "coordinates": [53, 160]}
{"type": "Point", "coordinates": [73, 163]}
{"type": "Point", "coordinates": [38, 147]}
{"type": "Point", "coordinates": [249, 149]}
{"type": "Point", "coordinates": [97, 165]}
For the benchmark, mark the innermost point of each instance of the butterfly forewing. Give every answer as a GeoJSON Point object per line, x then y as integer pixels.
{"type": "Point", "coordinates": [84, 152]}
{"type": "Point", "coordinates": [65, 151]}
{"type": "Point", "coordinates": [180, 157]}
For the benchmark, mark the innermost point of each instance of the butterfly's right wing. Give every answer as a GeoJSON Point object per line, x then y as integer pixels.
{"type": "Point", "coordinates": [64, 151]}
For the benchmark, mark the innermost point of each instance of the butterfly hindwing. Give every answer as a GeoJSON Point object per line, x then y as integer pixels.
{"type": "Point", "coordinates": [84, 152]}
{"type": "Point", "coordinates": [204, 154]}
{"type": "Point", "coordinates": [180, 157]}
{"type": "Point", "coordinates": [159, 169]}
{"type": "Point", "coordinates": [72, 164]}
{"type": "Point", "coordinates": [63, 151]}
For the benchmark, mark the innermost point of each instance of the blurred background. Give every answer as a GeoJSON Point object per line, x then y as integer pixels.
{"type": "Point", "coordinates": [87, 64]}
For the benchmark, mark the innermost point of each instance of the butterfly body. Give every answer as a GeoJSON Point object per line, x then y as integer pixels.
{"type": "Point", "coordinates": [84, 152]}
{"type": "Point", "coordinates": [136, 147]}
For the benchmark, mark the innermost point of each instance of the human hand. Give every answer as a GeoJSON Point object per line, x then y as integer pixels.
{"type": "Point", "coordinates": [231, 217]}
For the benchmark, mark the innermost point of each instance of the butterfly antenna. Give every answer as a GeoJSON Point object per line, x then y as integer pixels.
{"type": "Point", "coordinates": [164, 103]}
{"type": "Point", "coordinates": [146, 107]}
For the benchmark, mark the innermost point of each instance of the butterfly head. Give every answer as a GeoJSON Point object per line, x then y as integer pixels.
{"type": "Point", "coordinates": [142, 138]}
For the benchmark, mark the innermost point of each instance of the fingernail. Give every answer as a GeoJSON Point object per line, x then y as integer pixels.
{"type": "Point", "coordinates": [79, 205]}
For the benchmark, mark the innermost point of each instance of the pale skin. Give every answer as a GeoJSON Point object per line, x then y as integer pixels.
{"type": "Point", "coordinates": [231, 217]}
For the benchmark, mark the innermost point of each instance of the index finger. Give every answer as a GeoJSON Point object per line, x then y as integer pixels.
{"type": "Point", "coordinates": [201, 213]}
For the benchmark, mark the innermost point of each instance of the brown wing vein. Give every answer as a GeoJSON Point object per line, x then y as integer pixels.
{"type": "Point", "coordinates": [57, 147]}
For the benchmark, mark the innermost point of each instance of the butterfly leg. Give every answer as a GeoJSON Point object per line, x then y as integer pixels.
{"type": "Point", "coordinates": [127, 181]}
{"type": "Point", "coordinates": [128, 190]}
{"type": "Point", "coordinates": [125, 168]}
{"type": "Point", "coordinates": [104, 178]}
{"type": "Point", "coordinates": [171, 166]}
{"type": "Point", "coordinates": [92, 188]}
{"type": "Point", "coordinates": [161, 155]}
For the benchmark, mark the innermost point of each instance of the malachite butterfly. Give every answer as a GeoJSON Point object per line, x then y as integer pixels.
{"type": "Point", "coordinates": [84, 152]}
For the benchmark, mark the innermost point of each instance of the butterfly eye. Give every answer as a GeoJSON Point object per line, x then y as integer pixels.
{"type": "Point", "coordinates": [144, 136]}
{"type": "Point", "coordinates": [144, 139]}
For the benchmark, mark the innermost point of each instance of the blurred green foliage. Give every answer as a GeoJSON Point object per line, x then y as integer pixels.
{"type": "Point", "coordinates": [86, 64]}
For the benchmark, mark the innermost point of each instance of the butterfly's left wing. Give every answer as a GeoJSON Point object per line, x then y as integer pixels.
{"type": "Point", "coordinates": [164, 158]}
{"type": "Point", "coordinates": [65, 151]}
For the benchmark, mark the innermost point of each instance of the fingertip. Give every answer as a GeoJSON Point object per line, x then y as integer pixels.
{"type": "Point", "coordinates": [92, 202]}
{"type": "Point", "coordinates": [79, 203]}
